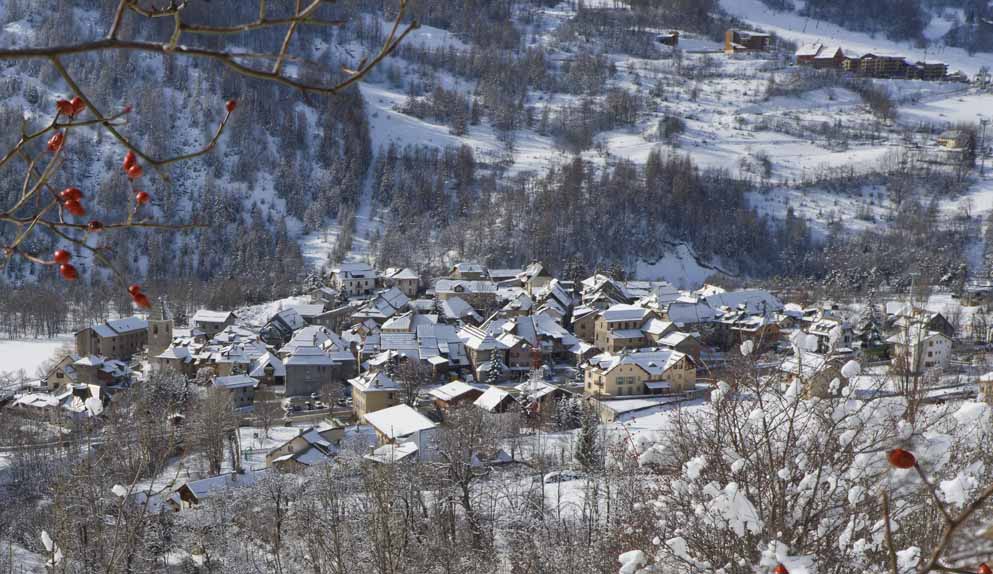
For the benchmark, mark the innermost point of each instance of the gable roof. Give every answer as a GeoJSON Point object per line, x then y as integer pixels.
{"type": "Point", "coordinates": [452, 391]}
{"type": "Point", "coordinates": [655, 362]}
{"type": "Point", "coordinates": [398, 421]}
{"type": "Point", "coordinates": [491, 398]}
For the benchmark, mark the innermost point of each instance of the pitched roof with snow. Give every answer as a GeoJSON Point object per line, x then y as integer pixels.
{"type": "Point", "coordinates": [616, 313]}
{"type": "Point", "coordinates": [654, 362]}
{"type": "Point", "coordinates": [491, 399]}
{"type": "Point", "coordinates": [207, 316]}
{"type": "Point", "coordinates": [398, 421]}
{"type": "Point", "coordinates": [452, 391]}
{"type": "Point", "coordinates": [374, 381]}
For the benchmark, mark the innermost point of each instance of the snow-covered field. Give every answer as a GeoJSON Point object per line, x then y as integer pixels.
{"type": "Point", "coordinates": [26, 355]}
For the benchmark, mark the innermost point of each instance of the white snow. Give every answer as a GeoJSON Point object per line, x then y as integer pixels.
{"type": "Point", "coordinates": [804, 30]}
{"type": "Point", "coordinates": [26, 355]}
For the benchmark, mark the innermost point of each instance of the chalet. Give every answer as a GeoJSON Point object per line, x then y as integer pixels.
{"type": "Point", "coordinates": [212, 322]}
{"type": "Point", "coordinates": [373, 391]}
{"type": "Point", "coordinates": [118, 339]}
{"type": "Point", "coordinates": [93, 370]}
{"type": "Point", "coordinates": [736, 41]}
{"type": "Point", "coordinates": [269, 370]}
{"type": "Point", "coordinates": [819, 56]}
{"type": "Point", "coordinates": [454, 394]}
{"type": "Point", "coordinates": [640, 373]}
{"type": "Point", "coordinates": [400, 424]}
{"type": "Point", "coordinates": [353, 279]}
{"type": "Point", "coordinates": [241, 388]}
{"type": "Point", "coordinates": [683, 342]}
{"type": "Point", "coordinates": [404, 279]}
{"type": "Point", "coordinates": [281, 326]}
{"type": "Point", "coordinates": [495, 400]}
{"type": "Point", "coordinates": [312, 447]}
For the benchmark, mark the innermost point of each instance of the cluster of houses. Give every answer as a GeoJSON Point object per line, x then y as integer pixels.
{"type": "Point", "coordinates": [395, 353]}
{"type": "Point", "coordinates": [871, 65]}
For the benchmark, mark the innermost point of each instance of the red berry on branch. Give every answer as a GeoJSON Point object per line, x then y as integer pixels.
{"type": "Point", "coordinates": [901, 458]}
{"type": "Point", "coordinates": [61, 256]}
{"type": "Point", "coordinates": [142, 198]}
{"type": "Point", "coordinates": [141, 300]}
{"type": "Point", "coordinates": [231, 105]}
{"type": "Point", "coordinates": [127, 109]}
{"type": "Point", "coordinates": [68, 272]}
{"type": "Point", "coordinates": [64, 107]}
{"type": "Point", "coordinates": [56, 141]}
{"type": "Point", "coordinates": [780, 569]}
{"type": "Point", "coordinates": [71, 193]}
{"type": "Point", "coordinates": [95, 226]}
{"type": "Point", "coordinates": [984, 568]}
{"type": "Point", "coordinates": [74, 207]}
{"type": "Point", "coordinates": [134, 289]}
{"type": "Point", "coordinates": [77, 104]}
{"type": "Point", "coordinates": [134, 172]}
{"type": "Point", "coordinates": [129, 160]}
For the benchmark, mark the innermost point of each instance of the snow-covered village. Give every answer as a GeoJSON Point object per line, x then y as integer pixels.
{"type": "Point", "coordinates": [508, 286]}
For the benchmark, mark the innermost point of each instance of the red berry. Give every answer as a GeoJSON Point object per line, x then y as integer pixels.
{"type": "Point", "coordinates": [68, 272]}
{"type": "Point", "coordinates": [142, 198]}
{"type": "Point", "coordinates": [56, 141]}
{"type": "Point", "coordinates": [901, 458]}
{"type": "Point", "coordinates": [134, 172]}
{"type": "Point", "coordinates": [95, 226]}
{"type": "Point", "coordinates": [780, 569]}
{"type": "Point", "coordinates": [77, 104]}
{"type": "Point", "coordinates": [64, 107]}
{"type": "Point", "coordinates": [134, 289]}
{"type": "Point", "coordinates": [141, 300]}
{"type": "Point", "coordinates": [231, 105]}
{"type": "Point", "coordinates": [74, 207]}
{"type": "Point", "coordinates": [984, 568]}
{"type": "Point", "coordinates": [71, 193]}
{"type": "Point", "coordinates": [129, 160]}
{"type": "Point", "coordinates": [62, 256]}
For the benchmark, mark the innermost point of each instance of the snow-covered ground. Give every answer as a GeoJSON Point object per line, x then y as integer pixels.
{"type": "Point", "coordinates": [26, 355]}
{"type": "Point", "coordinates": [803, 30]}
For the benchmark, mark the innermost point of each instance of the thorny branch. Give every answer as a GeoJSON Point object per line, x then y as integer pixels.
{"type": "Point", "coordinates": [40, 171]}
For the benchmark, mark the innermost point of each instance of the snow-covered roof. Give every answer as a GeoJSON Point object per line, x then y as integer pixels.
{"type": "Point", "coordinates": [207, 316]}
{"type": "Point", "coordinates": [173, 352]}
{"type": "Point", "coordinates": [623, 312]}
{"type": "Point", "coordinates": [460, 286]}
{"type": "Point", "coordinates": [235, 382]}
{"type": "Point", "coordinates": [452, 391]}
{"type": "Point", "coordinates": [400, 273]}
{"type": "Point", "coordinates": [398, 421]}
{"type": "Point", "coordinates": [128, 325]}
{"type": "Point", "coordinates": [491, 398]}
{"type": "Point", "coordinates": [654, 362]}
{"type": "Point", "coordinates": [390, 453]}
{"type": "Point", "coordinates": [374, 381]}
{"type": "Point", "coordinates": [754, 301]}
{"type": "Point", "coordinates": [308, 356]}
{"type": "Point", "coordinates": [656, 326]}
{"type": "Point", "coordinates": [477, 339]}
{"type": "Point", "coordinates": [809, 50]}
{"type": "Point", "coordinates": [914, 335]}
{"type": "Point", "coordinates": [278, 369]}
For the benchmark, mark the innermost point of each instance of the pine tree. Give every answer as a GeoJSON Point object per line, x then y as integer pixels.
{"type": "Point", "coordinates": [588, 452]}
